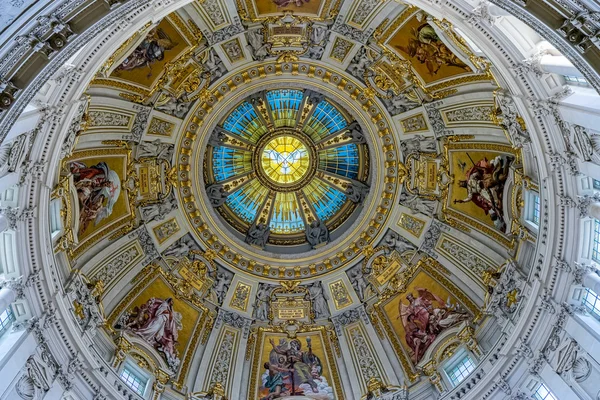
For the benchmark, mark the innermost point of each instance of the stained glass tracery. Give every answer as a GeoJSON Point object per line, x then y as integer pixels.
{"type": "Point", "coordinates": [284, 150]}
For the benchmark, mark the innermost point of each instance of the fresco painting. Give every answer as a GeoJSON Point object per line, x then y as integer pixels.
{"type": "Point", "coordinates": [418, 315]}
{"type": "Point", "coordinates": [479, 183]}
{"type": "Point", "coordinates": [101, 198]}
{"type": "Point", "coordinates": [161, 320]}
{"type": "Point", "coordinates": [294, 367]}
{"type": "Point", "coordinates": [298, 6]}
{"type": "Point", "coordinates": [431, 58]}
{"type": "Point", "coordinates": [146, 62]}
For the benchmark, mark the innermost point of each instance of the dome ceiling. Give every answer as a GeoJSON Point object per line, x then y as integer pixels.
{"type": "Point", "coordinates": [306, 165]}
{"type": "Point", "coordinates": [270, 199]}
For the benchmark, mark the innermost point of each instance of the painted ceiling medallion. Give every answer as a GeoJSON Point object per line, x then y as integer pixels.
{"type": "Point", "coordinates": [285, 167]}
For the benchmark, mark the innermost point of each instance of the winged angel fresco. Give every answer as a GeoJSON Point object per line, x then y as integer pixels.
{"type": "Point", "coordinates": [151, 49]}
{"type": "Point", "coordinates": [424, 318]}
{"type": "Point", "coordinates": [294, 371]}
{"type": "Point", "coordinates": [426, 46]}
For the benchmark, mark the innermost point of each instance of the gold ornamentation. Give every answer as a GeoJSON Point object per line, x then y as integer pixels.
{"type": "Point", "coordinates": [432, 267]}
{"type": "Point", "coordinates": [165, 230]}
{"type": "Point", "coordinates": [414, 123]}
{"type": "Point", "coordinates": [241, 296]}
{"type": "Point", "coordinates": [160, 127]}
{"type": "Point", "coordinates": [322, 330]}
{"type": "Point", "coordinates": [411, 224]}
{"type": "Point", "coordinates": [329, 78]}
{"type": "Point", "coordinates": [341, 297]}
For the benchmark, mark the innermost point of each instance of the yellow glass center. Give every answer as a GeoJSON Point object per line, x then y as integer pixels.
{"type": "Point", "coordinates": [285, 159]}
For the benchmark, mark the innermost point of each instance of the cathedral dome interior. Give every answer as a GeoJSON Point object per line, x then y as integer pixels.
{"type": "Point", "coordinates": [299, 199]}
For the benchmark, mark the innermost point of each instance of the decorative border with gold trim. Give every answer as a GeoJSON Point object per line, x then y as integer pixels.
{"type": "Point", "coordinates": [142, 280]}
{"type": "Point", "coordinates": [127, 221]}
{"type": "Point", "coordinates": [403, 278]}
{"type": "Point", "coordinates": [189, 184]}
{"type": "Point", "coordinates": [326, 338]}
{"type": "Point", "coordinates": [459, 220]}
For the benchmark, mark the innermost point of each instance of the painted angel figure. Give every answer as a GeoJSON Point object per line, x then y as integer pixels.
{"type": "Point", "coordinates": [423, 321]}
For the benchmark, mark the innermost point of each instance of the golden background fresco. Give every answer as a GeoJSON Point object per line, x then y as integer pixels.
{"type": "Point", "coordinates": [145, 76]}
{"type": "Point", "coordinates": [265, 349]}
{"type": "Point", "coordinates": [391, 309]}
{"type": "Point", "coordinates": [189, 315]}
{"type": "Point", "coordinates": [401, 42]}
{"type": "Point", "coordinates": [116, 162]}
{"type": "Point", "coordinates": [270, 6]}
{"type": "Point", "coordinates": [458, 159]}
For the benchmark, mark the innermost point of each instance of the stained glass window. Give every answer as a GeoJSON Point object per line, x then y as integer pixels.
{"type": "Point", "coordinates": [244, 122]}
{"type": "Point", "coordinates": [284, 106]}
{"type": "Point", "coordinates": [279, 156]}
{"type": "Point", "coordinates": [325, 120]}
{"type": "Point", "coordinates": [285, 159]}
{"type": "Point", "coordinates": [246, 201]}
{"type": "Point", "coordinates": [342, 160]}
{"type": "Point", "coordinates": [326, 199]}
{"type": "Point", "coordinates": [286, 217]}
{"type": "Point", "coordinates": [228, 162]}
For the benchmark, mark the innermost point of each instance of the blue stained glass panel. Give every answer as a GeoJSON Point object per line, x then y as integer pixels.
{"type": "Point", "coordinates": [246, 201]}
{"type": "Point", "coordinates": [230, 162]}
{"type": "Point", "coordinates": [284, 105]}
{"type": "Point", "coordinates": [325, 120]}
{"type": "Point", "coordinates": [325, 199]}
{"type": "Point", "coordinates": [244, 122]}
{"type": "Point", "coordinates": [342, 160]}
{"type": "Point", "coordinates": [286, 217]}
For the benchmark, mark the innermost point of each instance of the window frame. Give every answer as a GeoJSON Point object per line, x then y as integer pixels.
{"type": "Point", "coordinates": [455, 362]}
{"type": "Point", "coordinates": [56, 225]}
{"type": "Point", "coordinates": [6, 323]}
{"type": "Point", "coordinates": [532, 200]}
{"type": "Point", "coordinates": [548, 396]}
{"type": "Point", "coordinates": [592, 306]}
{"type": "Point", "coordinates": [135, 371]}
{"type": "Point", "coordinates": [595, 253]}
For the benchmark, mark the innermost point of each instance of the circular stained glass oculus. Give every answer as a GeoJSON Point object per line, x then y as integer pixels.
{"type": "Point", "coordinates": [285, 160]}
{"type": "Point", "coordinates": [282, 161]}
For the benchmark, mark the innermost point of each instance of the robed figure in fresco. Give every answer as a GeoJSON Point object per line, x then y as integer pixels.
{"type": "Point", "coordinates": [158, 324]}
{"type": "Point", "coordinates": [151, 49]}
{"type": "Point", "coordinates": [484, 183]}
{"type": "Point", "coordinates": [426, 46]}
{"type": "Point", "coordinates": [424, 318]}
{"type": "Point", "coordinates": [291, 370]}
{"type": "Point", "coordinates": [98, 188]}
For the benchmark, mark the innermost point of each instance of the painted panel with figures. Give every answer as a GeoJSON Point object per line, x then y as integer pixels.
{"type": "Point", "coordinates": [146, 62]}
{"type": "Point", "coordinates": [102, 203]}
{"type": "Point", "coordinates": [417, 315]}
{"type": "Point", "coordinates": [480, 175]}
{"type": "Point", "coordinates": [161, 319]}
{"type": "Point", "coordinates": [300, 366]}
{"type": "Point", "coordinates": [430, 57]}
